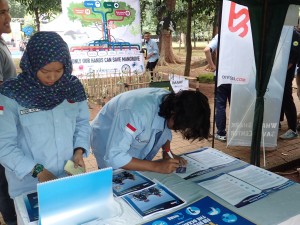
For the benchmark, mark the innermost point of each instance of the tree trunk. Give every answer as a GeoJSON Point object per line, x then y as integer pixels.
{"type": "Point", "coordinates": [188, 40]}
{"type": "Point", "coordinates": [166, 52]}
{"type": "Point", "coordinates": [37, 19]}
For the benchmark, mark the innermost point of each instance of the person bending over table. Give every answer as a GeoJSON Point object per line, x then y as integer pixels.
{"type": "Point", "coordinates": [131, 128]}
{"type": "Point", "coordinates": [44, 116]}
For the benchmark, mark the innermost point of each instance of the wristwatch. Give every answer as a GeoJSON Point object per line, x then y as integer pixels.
{"type": "Point", "coordinates": [36, 170]}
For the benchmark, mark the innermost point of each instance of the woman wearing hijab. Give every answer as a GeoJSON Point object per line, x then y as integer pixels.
{"type": "Point", "coordinates": [44, 116]}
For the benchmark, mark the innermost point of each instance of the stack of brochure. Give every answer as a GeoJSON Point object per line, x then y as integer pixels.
{"type": "Point", "coordinates": [143, 195]}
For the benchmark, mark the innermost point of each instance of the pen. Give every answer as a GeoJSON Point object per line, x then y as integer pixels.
{"type": "Point", "coordinates": [167, 150]}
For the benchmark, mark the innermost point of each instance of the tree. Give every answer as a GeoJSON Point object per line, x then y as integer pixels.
{"type": "Point", "coordinates": [188, 39]}
{"type": "Point", "coordinates": [41, 9]}
{"type": "Point", "coordinates": [165, 33]}
{"type": "Point", "coordinates": [16, 11]}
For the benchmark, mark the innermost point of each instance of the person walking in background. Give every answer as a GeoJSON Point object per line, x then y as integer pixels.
{"type": "Point", "coordinates": [152, 53]}
{"type": "Point", "coordinates": [223, 93]}
{"type": "Point", "coordinates": [131, 128]}
{"type": "Point", "coordinates": [7, 70]}
{"type": "Point", "coordinates": [288, 105]}
{"type": "Point", "coordinates": [44, 118]}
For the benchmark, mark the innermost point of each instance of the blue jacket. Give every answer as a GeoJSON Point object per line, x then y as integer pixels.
{"type": "Point", "coordinates": [126, 127]}
{"type": "Point", "coordinates": [31, 136]}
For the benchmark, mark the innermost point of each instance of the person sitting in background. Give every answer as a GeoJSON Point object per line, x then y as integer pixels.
{"type": "Point", "coordinates": [131, 128]}
{"type": "Point", "coordinates": [44, 116]}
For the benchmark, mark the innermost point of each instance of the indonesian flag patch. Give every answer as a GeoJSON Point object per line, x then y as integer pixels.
{"type": "Point", "coordinates": [130, 129]}
{"type": "Point", "coordinates": [1, 110]}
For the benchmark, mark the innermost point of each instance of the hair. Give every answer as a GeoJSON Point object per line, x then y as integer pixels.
{"type": "Point", "coordinates": [147, 33]}
{"type": "Point", "coordinates": [190, 111]}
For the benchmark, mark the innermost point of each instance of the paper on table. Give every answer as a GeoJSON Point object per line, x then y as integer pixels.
{"type": "Point", "coordinates": [151, 200]}
{"type": "Point", "coordinates": [201, 161]}
{"type": "Point", "coordinates": [259, 177]}
{"type": "Point", "coordinates": [245, 185]}
{"type": "Point", "coordinates": [230, 188]}
{"type": "Point", "coordinates": [125, 181]}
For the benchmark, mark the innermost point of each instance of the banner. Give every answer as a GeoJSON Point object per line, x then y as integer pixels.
{"type": "Point", "coordinates": [243, 97]}
{"type": "Point", "coordinates": [104, 37]}
{"type": "Point", "coordinates": [243, 101]}
{"type": "Point", "coordinates": [236, 54]}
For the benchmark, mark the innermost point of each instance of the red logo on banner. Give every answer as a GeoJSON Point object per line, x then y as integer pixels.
{"type": "Point", "coordinates": [237, 15]}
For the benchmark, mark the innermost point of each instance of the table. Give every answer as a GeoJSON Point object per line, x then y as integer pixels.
{"type": "Point", "coordinates": [281, 207]}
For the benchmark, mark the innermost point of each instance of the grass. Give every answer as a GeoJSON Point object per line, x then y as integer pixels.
{"type": "Point", "coordinates": [206, 78]}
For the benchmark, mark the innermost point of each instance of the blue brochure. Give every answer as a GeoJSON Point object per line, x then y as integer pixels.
{"type": "Point", "coordinates": [156, 198]}
{"type": "Point", "coordinates": [77, 199]}
{"type": "Point", "coordinates": [32, 206]}
{"type": "Point", "coordinates": [203, 211]}
{"type": "Point", "coordinates": [125, 181]}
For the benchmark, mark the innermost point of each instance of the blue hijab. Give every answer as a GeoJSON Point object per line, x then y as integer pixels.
{"type": "Point", "coordinates": [42, 49]}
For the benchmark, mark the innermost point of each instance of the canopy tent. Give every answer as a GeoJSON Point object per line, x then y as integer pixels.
{"type": "Point", "coordinates": [267, 18]}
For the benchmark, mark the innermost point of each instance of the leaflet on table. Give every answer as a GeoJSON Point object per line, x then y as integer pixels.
{"type": "Point", "coordinates": [203, 161]}
{"type": "Point", "coordinates": [245, 185]}
{"type": "Point", "coordinates": [125, 181]}
{"type": "Point", "coordinates": [32, 206]}
{"type": "Point", "coordinates": [154, 199]}
{"type": "Point", "coordinates": [203, 211]}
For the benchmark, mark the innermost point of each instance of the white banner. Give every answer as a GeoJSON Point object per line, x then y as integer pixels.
{"type": "Point", "coordinates": [243, 101]}
{"type": "Point", "coordinates": [103, 37]}
{"type": "Point", "coordinates": [243, 97]}
{"type": "Point", "coordinates": [236, 54]}
{"type": "Point", "coordinates": [178, 83]}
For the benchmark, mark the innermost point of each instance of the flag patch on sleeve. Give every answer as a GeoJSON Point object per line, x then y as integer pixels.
{"type": "Point", "coordinates": [130, 129]}
{"type": "Point", "coordinates": [1, 110]}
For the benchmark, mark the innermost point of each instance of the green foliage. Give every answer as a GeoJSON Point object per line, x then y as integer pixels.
{"type": "Point", "coordinates": [106, 14]}
{"type": "Point", "coordinates": [16, 9]}
{"type": "Point", "coordinates": [45, 7]}
{"type": "Point", "coordinates": [206, 78]}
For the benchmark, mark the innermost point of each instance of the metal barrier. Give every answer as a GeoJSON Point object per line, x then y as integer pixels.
{"type": "Point", "coordinates": [102, 88]}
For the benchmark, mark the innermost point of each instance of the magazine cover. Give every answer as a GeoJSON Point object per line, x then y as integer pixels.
{"type": "Point", "coordinates": [125, 181]}
{"type": "Point", "coordinates": [153, 199]}
{"type": "Point", "coordinates": [32, 206]}
{"type": "Point", "coordinates": [203, 211]}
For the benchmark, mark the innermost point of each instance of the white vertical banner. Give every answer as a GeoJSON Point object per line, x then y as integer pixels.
{"type": "Point", "coordinates": [236, 54]}
{"type": "Point", "coordinates": [243, 97]}
{"type": "Point", "coordinates": [243, 101]}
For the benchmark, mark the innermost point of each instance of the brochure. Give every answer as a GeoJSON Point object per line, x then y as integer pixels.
{"type": "Point", "coordinates": [156, 198]}
{"type": "Point", "coordinates": [245, 185]}
{"type": "Point", "coordinates": [204, 161]}
{"type": "Point", "coordinates": [32, 206]}
{"type": "Point", "coordinates": [203, 211]}
{"type": "Point", "coordinates": [125, 182]}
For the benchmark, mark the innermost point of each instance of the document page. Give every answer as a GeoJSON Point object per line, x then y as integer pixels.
{"type": "Point", "coordinates": [230, 188]}
{"type": "Point", "coordinates": [245, 185]}
{"type": "Point", "coordinates": [259, 177]}
{"type": "Point", "coordinates": [203, 161]}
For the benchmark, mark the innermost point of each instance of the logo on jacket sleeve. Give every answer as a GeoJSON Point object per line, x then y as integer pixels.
{"type": "Point", "coordinates": [1, 110]}
{"type": "Point", "coordinates": [130, 129]}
